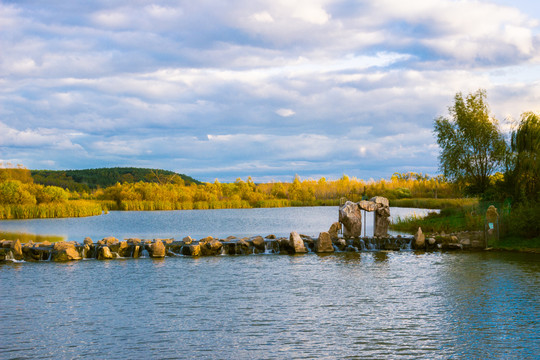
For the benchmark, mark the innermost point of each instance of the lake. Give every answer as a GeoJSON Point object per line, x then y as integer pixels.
{"type": "Point", "coordinates": [195, 223]}
{"type": "Point", "coordinates": [366, 305]}
{"type": "Point", "coordinates": [372, 305]}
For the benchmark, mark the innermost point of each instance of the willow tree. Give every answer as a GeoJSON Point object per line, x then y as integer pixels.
{"type": "Point", "coordinates": [525, 147]}
{"type": "Point", "coordinates": [472, 147]}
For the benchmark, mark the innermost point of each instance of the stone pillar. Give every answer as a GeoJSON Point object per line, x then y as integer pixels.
{"type": "Point", "coordinates": [382, 216]}
{"type": "Point", "coordinates": [351, 218]}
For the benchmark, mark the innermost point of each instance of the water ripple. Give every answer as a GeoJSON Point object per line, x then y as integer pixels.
{"type": "Point", "coordinates": [371, 306]}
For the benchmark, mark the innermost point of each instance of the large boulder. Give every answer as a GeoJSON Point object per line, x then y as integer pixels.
{"type": "Point", "coordinates": [87, 241]}
{"type": "Point", "coordinates": [157, 249]}
{"type": "Point", "coordinates": [258, 242]}
{"type": "Point", "coordinates": [66, 255]}
{"type": "Point", "coordinates": [64, 251]}
{"type": "Point", "coordinates": [323, 244]}
{"type": "Point", "coordinates": [351, 218]}
{"type": "Point", "coordinates": [296, 243]}
{"type": "Point", "coordinates": [134, 241]}
{"type": "Point", "coordinates": [334, 230]}
{"type": "Point", "coordinates": [243, 247]}
{"type": "Point", "coordinates": [419, 241]}
{"type": "Point", "coordinates": [16, 249]}
{"type": "Point", "coordinates": [210, 247]}
{"type": "Point", "coordinates": [104, 253]}
{"type": "Point", "coordinates": [381, 201]}
{"type": "Point", "coordinates": [108, 241]}
{"type": "Point", "coordinates": [367, 205]}
{"type": "Point", "coordinates": [125, 250]}
{"type": "Point", "coordinates": [191, 250]}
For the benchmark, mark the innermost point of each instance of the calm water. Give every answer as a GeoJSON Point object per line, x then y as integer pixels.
{"type": "Point", "coordinates": [195, 223]}
{"type": "Point", "coordinates": [377, 305]}
{"type": "Point", "coordinates": [372, 305]}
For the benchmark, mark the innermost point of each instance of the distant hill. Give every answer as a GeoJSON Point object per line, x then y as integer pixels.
{"type": "Point", "coordinates": [90, 179]}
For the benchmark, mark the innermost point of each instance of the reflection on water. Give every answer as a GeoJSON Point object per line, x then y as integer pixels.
{"type": "Point", "coordinates": [24, 237]}
{"type": "Point", "coordinates": [371, 305]}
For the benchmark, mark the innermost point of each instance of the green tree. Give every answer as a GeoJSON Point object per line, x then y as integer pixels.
{"type": "Point", "coordinates": [14, 192]}
{"type": "Point", "coordinates": [525, 146]}
{"type": "Point", "coordinates": [472, 146]}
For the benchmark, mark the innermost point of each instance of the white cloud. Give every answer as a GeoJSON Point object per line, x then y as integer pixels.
{"type": "Point", "coordinates": [198, 86]}
{"type": "Point", "coordinates": [263, 17]}
{"type": "Point", "coordinates": [285, 112]}
{"type": "Point", "coordinates": [111, 19]}
{"type": "Point", "coordinates": [38, 138]}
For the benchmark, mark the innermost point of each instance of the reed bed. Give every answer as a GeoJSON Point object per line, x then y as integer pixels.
{"type": "Point", "coordinates": [75, 208]}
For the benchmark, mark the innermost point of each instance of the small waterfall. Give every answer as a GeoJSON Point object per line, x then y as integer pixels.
{"type": "Point", "coordinates": [406, 244]}
{"type": "Point", "coordinates": [351, 248]}
{"type": "Point", "coordinates": [268, 248]}
{"type": "Point", "coordinates": [362, 245]}
{"type": "Point", "coordinates": [145, 253]}
{"type": "Point", "coordinates": [223, 251]}
{"type": "Point", "coordinates": [9, 256]}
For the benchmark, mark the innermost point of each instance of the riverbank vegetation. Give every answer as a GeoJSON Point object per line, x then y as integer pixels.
{"type": "Point", "coordinates": [477, 159]}
{"type": "Point", "coordinates": [22, 197]}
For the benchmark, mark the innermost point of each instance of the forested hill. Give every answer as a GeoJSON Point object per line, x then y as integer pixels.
{"type": "Point", "coordinates": [88, 179]}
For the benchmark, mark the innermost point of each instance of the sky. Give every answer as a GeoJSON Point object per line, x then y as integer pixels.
{"type": "Point", "coordinates": [260, 88]}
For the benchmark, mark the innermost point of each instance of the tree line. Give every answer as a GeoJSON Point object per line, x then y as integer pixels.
{"type": "Point", "coordinates": [19, 188]}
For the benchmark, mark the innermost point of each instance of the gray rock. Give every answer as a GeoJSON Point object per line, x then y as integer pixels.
{"type": "Point", "coordinates": [323, 244]}
{"type": "Point", "coordinates": [191, 250]}
{"type": "Point", "coordinates": [367, 205]}
{"type": "Point", "coordinates": [334, 230]}
{"type": "Point", "coordinates": [419, 239]}
{"type": "Point", "coordinates": [104, 253]}
{"type": "Point", "coordinates": [380, 201]}
{"type": "Point", "coordinates": [187, 240]}
{"type": "Point", "coordinates": [296, 243]}
{"type": "Point", "coordinates": [351, 218]}
{"type": "Point", "coordinates": [16, 249]}
{"type": "Point", "coordinates": [258, 242]}
{"type": "Point", "coordinates": [157, 249]}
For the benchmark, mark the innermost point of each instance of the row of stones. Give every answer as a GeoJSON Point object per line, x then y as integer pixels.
{"type": "Point", "coordinates": [110, 247]}
{"type": "Point", "coordinates": [453, 241]}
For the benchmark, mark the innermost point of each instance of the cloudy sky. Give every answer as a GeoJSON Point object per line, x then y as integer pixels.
{"type": "Point", "coordinates": [267, 88]}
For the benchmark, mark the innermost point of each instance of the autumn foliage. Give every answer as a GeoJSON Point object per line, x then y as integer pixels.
{"type": "Point", "coordinates": [21, 197]}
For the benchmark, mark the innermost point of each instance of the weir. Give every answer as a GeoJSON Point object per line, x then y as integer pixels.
{"type": "Point", "coordinates": [342, 236]}
{"type": "Point", "coordinates": [112, 248]}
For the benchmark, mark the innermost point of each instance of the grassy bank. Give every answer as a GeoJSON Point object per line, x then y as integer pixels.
{"type": "Point", "coordinates": [518, 228]}
{"type": "Point", "coordinates": [431, 203]}
{"type": "Point", "coordinates": [73, 208]}
{"type": "Point", "coordinates": [448, 220]}
{"type": "Point", "coordinates": [516, 243]}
